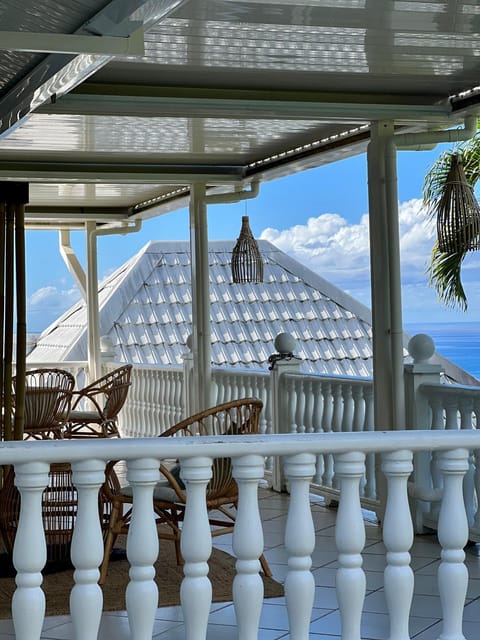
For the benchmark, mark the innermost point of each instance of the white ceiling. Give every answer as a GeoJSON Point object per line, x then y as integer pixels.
{"type": "Point", "coordinates": [227, 91]}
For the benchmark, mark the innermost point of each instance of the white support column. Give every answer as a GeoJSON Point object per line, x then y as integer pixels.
{"type": "Point", "coordinates": [387, 330]}
{"type": "Point", "coordinates": [200, 298]}
{"type": "Point", "coordinates": [92, 303]}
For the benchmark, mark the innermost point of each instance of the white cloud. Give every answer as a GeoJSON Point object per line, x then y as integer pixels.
{"type": "Point", "coordinates": [339, 251]}
{"type": "Point", "coordinates": [47, 303]}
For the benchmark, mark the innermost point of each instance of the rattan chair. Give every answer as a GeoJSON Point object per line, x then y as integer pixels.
{"type": "Point", "coordinates": [96, 407]}
{"type": "Point", "coordinates": [48, 396]}
{"type": "Point", "coordinates": [169, 500]}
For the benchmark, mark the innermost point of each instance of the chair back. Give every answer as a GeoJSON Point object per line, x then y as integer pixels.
{"type": "Point", "coordinates": [114, 387]}
{"type": "Point", "coordinates": [48, 395]}
{"type": "Point", "coordinates": [238, 417]}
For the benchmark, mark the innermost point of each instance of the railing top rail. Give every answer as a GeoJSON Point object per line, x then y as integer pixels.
{"type": "Point", "coordinates": [240, 371]}
{"type": "Point", "coordinates": [435, 387]}
{"type": "Point", "coordinates": [354, 380]}
{"type": "Point", "coordinates": [233, 446]}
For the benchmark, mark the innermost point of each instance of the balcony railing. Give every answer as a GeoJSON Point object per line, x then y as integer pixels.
{"type": "Point", "coordinates": [301, 452]}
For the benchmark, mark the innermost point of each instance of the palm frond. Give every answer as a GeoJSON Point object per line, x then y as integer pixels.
{"type": "Point", "coordinates": [445, 276]}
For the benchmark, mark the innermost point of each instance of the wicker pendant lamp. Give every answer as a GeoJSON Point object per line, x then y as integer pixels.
{"type": "Point", "coordinates": [247, 263]}
{"type": "Point", "coordinates": [458, 213]}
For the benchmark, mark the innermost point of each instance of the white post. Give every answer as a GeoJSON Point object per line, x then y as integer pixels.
{"type": "Point", "coordinates": [282, 407]}
{"type": "Point", "coordinates": [188, 367]}
{"type": "Point", "coordinates": [419, 416]}
{"type": "Point", "coordinates": [202, 373]}
{"type": "Point", "coordinates": [93, 332]}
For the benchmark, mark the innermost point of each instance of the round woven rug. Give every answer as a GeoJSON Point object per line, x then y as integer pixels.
{"type": "Point", "coordinates": [58, 582]}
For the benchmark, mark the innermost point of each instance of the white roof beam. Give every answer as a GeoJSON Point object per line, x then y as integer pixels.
{"type": "Point", "coordinates": [56, 74]}
{"type": "Point", "coordinates": [89, 101]}
{"type": "Point", "coordinates": [132, 45]}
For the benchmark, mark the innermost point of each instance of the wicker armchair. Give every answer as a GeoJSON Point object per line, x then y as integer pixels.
{"type": "Point", "coordinates": [169, 500]}
{"type": "Point", "coordinates": [48, 396]}
{"type": "Point", "coordinates": [96, 407]}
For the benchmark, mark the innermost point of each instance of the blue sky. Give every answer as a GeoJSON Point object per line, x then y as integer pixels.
{"type": "Point", "coordinates": [317, 216]}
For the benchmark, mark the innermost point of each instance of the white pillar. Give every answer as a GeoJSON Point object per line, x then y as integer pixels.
{"type": "Point", "coordinates": [387, 330]}
{"type": "Point", "coordinates": [93, 332]}
{"type": "Point", "coordinates": [200, 298]}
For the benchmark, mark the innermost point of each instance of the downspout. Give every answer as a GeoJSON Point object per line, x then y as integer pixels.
{"type": "Point", "coordinates": [391, 345]}
{"type": "Point", "coordinates": [201, 333]}
{"type": "Point", "coordinates": [88, 284]}
{"type": "Point", "coordinates": [402, 141]}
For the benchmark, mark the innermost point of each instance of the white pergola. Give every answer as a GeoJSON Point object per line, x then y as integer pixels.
{"type": "Point", "coordinates": [118, 111]}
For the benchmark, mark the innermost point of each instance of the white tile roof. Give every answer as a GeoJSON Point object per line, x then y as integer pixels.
{"type": "Point", "coordinates": [145, 307]}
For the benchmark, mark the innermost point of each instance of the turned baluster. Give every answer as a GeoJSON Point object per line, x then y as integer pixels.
{"type": "Point", "coordinates": [453, 536]}
{"type": "Point", "coordinates": [300, 543]}
{"type": "Point", "coordinates": [86, 598]}
{"type": "Point", "coordinates": [248, 546]}
{"type": "Point", "coordinates": [350, 540]}
{"type": "Point", "coordinates": [29, 552]}
{"type": "Point", "coordinates": [142, 549]}
{"type": "Point", "coordinates": [398, 539]}
{"type": "Point", "coordinates": [196, 546]}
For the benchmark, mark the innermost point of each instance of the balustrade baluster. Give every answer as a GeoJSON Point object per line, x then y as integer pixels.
{"type": "Point", "coordinates": [466, 422]}
{"type": "Point", "coordinates": [358, 419]}
{"type": "Point", "coordinates": [451, 412]}
{"type": "Point", "coordinates": [453, 536]}
{"type": "Point", "coordinates": [370, 488]}
{"type": "Point", "coordinates": [398, 539]}
{"type": "Point", "coordinates": [300, 406]}
{"type": "Point", "coordinates": [336, 420]}
{"type": "Point", "coordinates": [86, 598]}
{"type": "Point", "coordinates": [291, 404]}
{"type": "Point", "coordinates": [347, 417]}
{"type": "Point", "coordinates": [299, 543]}
{"type": "Point", "coordinates": [248, 546]}
{"type": "Point", "coordinates": [29, 552]}
{"type": "Point", "coordinates": [196, 546]}
{"type": "Point", "coordinates": [327, 427]}
{"type": "Point", "coordinates": [142, 549]}
{"type": "Point", "coordinates": [350, 540]}
{"type": "Point", "coordinates": [476, 453]}
{"type": "Point", "coordinates": [308, 410]}
{"type": "Point", "coordinates": [318, 407]}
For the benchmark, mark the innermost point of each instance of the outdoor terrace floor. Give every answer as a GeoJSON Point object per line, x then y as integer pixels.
{"type": "Point", "coordinates": [425, 621]}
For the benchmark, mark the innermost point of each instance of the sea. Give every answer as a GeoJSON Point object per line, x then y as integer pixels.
{"type": "Point", "coordinates": [458, 342]}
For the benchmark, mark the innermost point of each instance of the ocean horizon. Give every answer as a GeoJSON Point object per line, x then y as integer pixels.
{"type": "Point", "coordinates": [456, 341]}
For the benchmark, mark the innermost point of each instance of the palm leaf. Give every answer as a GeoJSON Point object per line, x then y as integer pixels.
{"type": "Point", "coordinates": [445, 276]}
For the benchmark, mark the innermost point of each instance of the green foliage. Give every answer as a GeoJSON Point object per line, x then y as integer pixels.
{"type": "Point", "coordinates": [445, 268]}
{"type": "Point", "coordinates": [445, 276]}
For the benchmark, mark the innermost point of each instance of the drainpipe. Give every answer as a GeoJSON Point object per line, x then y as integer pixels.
{"type": "Point", "coordinates": [385, 245]}
{"type": "Point", "coordinates": [201, 334]}
{"type": "Point", "coordinates": [88, 284]}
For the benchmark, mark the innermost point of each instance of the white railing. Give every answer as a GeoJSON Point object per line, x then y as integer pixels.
{"type": "Point", "coordinates": [300, 453]}
{"type": "Point", "coordinates": [329, 404]}
{"type": "Point", "coordinates": [154, 402]}
{"type": "Point", "coordinates": [454, 408]}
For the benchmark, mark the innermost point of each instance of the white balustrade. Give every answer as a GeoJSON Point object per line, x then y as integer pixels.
{"type": "Point", "coordinates": [398, 539]}
{"type": "Point", "coordinates": [86, 598]}
{"type": "Point", "coordinates": [29, 552]}
{"type": "Point", "coordinates": [350, 539]}
{"type": "Point", "coordinates": [453, 536]}
{"type": "Point", "coordinates": [196, 547]}
{"type": "Point", "coordinates": [299, 543]}
{"type": "Point", "coordinates": [300, 453]}
{"type": "Point", "coordinates": [248, 546]}
{"type": "Point", "coordinates": [142, 548]}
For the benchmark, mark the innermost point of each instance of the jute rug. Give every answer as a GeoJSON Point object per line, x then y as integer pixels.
{"type": "Point", "coordinates": [58, 582]}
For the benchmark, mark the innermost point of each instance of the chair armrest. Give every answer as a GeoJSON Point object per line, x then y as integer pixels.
{"type": "Point", "coordinates": [172, 481]}
{"type": "Point", "coordinates": [90, 395]}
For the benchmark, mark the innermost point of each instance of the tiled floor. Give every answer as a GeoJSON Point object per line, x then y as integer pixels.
{"type": "Point", "coordinates": [325, 625]}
